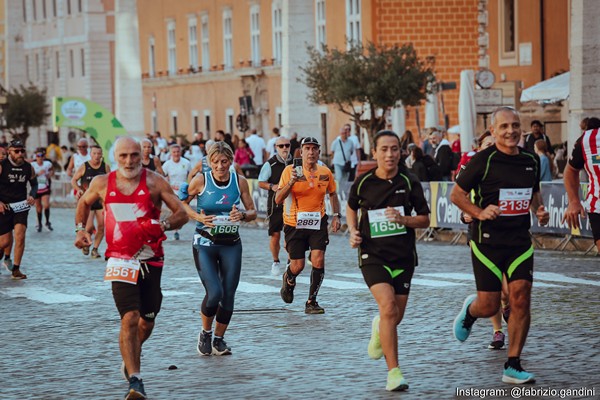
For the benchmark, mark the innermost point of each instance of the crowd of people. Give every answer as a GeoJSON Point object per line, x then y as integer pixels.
{"type": "Point", "coordinates": [497, 186]}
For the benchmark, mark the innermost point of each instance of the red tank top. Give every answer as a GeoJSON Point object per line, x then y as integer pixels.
{"type": "Point", "coordinates": [123, 232]}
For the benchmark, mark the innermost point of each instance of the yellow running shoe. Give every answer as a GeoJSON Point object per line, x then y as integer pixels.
{"type": "Point", "coordinates": [395, 381]}
{"type": "Point", "coordinates": [374, 349]}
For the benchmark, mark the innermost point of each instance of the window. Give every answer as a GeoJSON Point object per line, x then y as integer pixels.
{"type": "Point", "coordinates": [37, 67]}
{"type": "Point", "coordinates": [151, 58]}
{"type": "Point", "coordinates": [205, 43]}
{"type": "Point", "coordinates": [174, 120]}
{"type": "Point", "coordinates": [507, 33]}
{"type": "Point", "coordinates": [277, 32]}
{"type": "Point", "coordinates": [227, 39]}
{"type": "Point", "coordinates": [79, 6]}
{"type": "Point", "coordinates": [34, 8]}
{"type": "Point", "coordinates": [68, 7]}
{"type": "Point", "coordinates": [24, 3]}
{"type": "Point", "coordinates": [171, 44]}
{"type": "Point", "coordinates": [27, 68]}
{"type": "Point", "coordinates": [207, 123]}
{"type": "Point", "coordinates": [72, 63]}
{"type": "Point", "coordinates": [353, 29]}
{"type": "Point", "coordinates": [193, 42]}
{"type": "Point", "coordinates": [229, 120]}
{"type": "Point", "coordinates": [82, 54]}
{"type": "Point", "coordinates": [54, 8]}
{"type": "Point", "coordinates": [57, 56]}
{"type": "Point", "coordinates": [255, 35]}
{"type": "Point", "coordinates": [320, 23]}
{"type": "Point", "coordinates": [154, 121]}
{"type": "Point", "coordinates": [195, 122]}
{"type": "Point", "coordinates": [44, 15]}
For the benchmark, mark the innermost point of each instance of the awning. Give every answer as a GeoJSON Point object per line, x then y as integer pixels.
{"type": "Point", "coordinates": [551, 90]}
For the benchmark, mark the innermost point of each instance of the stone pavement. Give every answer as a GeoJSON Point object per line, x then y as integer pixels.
{"type": "Point", "coordinates": [60, 328]}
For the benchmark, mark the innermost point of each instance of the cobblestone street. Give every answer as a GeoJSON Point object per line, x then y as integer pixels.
{"type": "Point", "coordinates": [60, 328]}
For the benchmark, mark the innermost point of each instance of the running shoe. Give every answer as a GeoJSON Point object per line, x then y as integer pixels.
{"type": "Point", "coordinates": [517, 375]}
{"type": "Point", "coordinates": [220, 348]}
{"type": "Point", "coordinates": [38, 228]}
{"type": "Point", "coordinates": [287, 289]}
{"type": "Point", "coordinates": [506, 313]}
{"type": "Point", "coordinates": [204, 346]}
{"type": "Point", "coordinates": [395, 381]}
{"type": "Point", "coordinates": [176, 235]}
{"type": "Point", "coordinates": [374, 349]}
{"type": "Point", "coordinates": [136, 389]}
{"type": "Point", "coordinates": [462, 326]}
{"type": "Point", "coordinates": [86, 250]}
{"type": "Point", "coordinates": [313, 308]}
{"type": "Point", "coordinates": [8, 264]}
{"type": "Point", "coordinates": [124, 372]}
{"type": "Point", "coordinates": [17, 274]}
{"type": "Point", "coordinates": [95, 253]}
{"type": "Point", "coordinates": [497, 341]}
{"type": "Point", "coordinates": [276, 268]}
{"type": "Point", "coordinates": [49, 226]}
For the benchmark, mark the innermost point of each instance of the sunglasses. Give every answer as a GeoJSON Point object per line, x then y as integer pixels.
{"type": "Point", "coordinates": [281, 146]}
{"type": "Point", "coordinates": [19, 151]}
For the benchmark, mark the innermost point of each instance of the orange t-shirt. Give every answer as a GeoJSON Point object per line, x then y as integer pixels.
{"type": "Point", "coordinates": [308, 193]}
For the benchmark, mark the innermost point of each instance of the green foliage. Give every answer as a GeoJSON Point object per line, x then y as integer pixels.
{"type": "Point", "coordinates": [27, 108]}
{"type": "Point", "coordinates": [375, 77]}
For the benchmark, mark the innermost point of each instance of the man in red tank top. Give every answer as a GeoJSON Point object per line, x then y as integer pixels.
{"type": "Point", "coordinates": [132, 198]}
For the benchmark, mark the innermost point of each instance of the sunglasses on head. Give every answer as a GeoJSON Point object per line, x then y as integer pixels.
{"type": "Point", "coordinates": [19, 151]}
{"type": "Point", "coordinates": [281, 146]}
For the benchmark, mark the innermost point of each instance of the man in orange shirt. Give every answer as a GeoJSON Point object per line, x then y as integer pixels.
{"type": "Point", "coordinates": [305, 222]}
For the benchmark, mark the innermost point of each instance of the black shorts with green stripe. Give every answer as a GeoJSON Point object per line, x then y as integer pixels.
{"type": "Point", "coordinates": [398, 277]}
{"type": "Point", "coordinates": [491, 262]}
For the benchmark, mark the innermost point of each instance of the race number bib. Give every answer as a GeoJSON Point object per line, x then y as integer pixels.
{"type": "Point", "coordinates": [514, 202]}
{"type": "Point", "coordinates": [223, 226]}
{"type": "Point", "coordinates": [19, 206]}
{"type": "Point", "coordinates": [121, 270]}
{"type": "Point", "coordinates": [308, 220]}
{"type": "Point", "coordinates": [42, 180]}
{"type": "Point", "coordinates": [380, 226]}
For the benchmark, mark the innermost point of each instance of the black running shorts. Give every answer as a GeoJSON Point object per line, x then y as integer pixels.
{"type": "Point", "coordinates": [298, 241]}
{"type": "Point", "coordinates": [145, 297]}
{"type": "Point", "coordinates": [399, 278]}
{"type": "Point", "coordinates": [595, 224]}
{"type": "Point", "coordinates": [276, 220]}
{"type": "Point", "coordinates": [9, 219]}
{"type": "Point", "coordinates": [491, 262]}
{"type": "Point", "coordinates": [39, 195]}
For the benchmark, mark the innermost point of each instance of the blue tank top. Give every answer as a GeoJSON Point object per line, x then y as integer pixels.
{"type": "Point", "coordinates": [217, 200]}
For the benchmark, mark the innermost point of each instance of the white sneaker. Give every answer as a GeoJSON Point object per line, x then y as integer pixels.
{"type": "Point", "coordinates": [276, 268]}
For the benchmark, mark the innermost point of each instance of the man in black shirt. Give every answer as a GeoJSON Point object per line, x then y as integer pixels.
{"type": "Point", "coordinates": [506, 184]}
{"type": "Point", "coordinates": [15, 202]}
{"type": "Point", "coordinates": [537, 133]}
{"type": "Point", "coordinates": [385, 235]}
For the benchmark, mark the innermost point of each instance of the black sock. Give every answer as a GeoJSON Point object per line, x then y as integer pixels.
{"type": "Point", "coordinates": [47, 214]}
{"type": "Point", "coordinates": [15, 266]}
{"type": "Point", "coordinates": [290, 274]}
{"type": "Point", "coordinates": [469, 318]}
{"type": "Point", "coordinates": [514, 362]}
{"type": "Point", "coordinates": [276, 261]}
{"type": "Point", "coordinates": [316, 278]}
{"type": "Point", "coordinates": [39, 215]}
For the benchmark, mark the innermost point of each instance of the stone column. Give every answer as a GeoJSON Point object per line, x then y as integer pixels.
{"type": "Point", "coordinates": [584, 98]}
{"type": "Point", "coordinates": [298, 114]}
{"type": "Point", "coordinates": [129, 103]}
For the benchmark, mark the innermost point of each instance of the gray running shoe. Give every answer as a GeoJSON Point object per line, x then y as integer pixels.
{"type": "Point", "coordinates": [220, 348]}
{"type": "Point", "coordinates": [95, 253]}
{"type": "Point", "coordinates": [313, 308]}
{"type": "Point", "coordinates": [287, 289]}
{"type": "Point", "coordinates": [86, 250]}
{"type": "Point", "coordinates": [8, 264]}
{"type": "Point", "coordinates": [204, 345]}
{"type": "Point", "coordinates": [136, 389]}
{"type": "Point", "coordinates": [49, 226]}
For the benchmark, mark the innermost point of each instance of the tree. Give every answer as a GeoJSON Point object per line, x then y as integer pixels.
{"type": "Point", "coordinates": [27, 108]}
{"type": "Point", "coordinates": [376, 77]}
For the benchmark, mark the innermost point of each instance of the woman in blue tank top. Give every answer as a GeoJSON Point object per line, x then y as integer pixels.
{"type": "Point", "coordinates": [217, 247]}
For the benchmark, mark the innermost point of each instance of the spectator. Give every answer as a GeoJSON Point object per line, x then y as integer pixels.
{"type": "Point", "coordinates": [227, 139]}
{"type": "Point", "coordinates": [536, 134]}
{"type": "Point", "coordinates": [357, 147]}
{"type": "Point", "coordinates": [235, 140]}
{"type": "Point", "coordinates": [484, 141]}
{"type": "Point", "coordinates": [243, 155]}
{"type": "Point", "coordinates": [417, 164]}
{"type": "Point", "coordinates": [220, 136]}
{"type": "Point", "coordinates": [294, 143]}
{"type": "Point", "coordinates": [271, 143]}
{"type": "Point", "coordinates": [341, 153]}
{"type": "Point", "coordinates": [542, 151]}
{"type": "Point", "coordinates": [405, 141]}
{"type": "Point", "coordinates": [443, 154]}
{"type": "Point", "coordinates": [427, 146]}
{"type": "Point", "coordinates": [258, 147]}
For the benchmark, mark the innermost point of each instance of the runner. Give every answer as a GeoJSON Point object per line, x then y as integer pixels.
{"type": "Point", "coordinates": [15, 202]}
{"type": "Point", "coordinates": [176, 169]}
{"type": "Point", "coordinates": [217, 247]}
{"type": "Point", "coordinates": [305, 221]}
{"type": "Point", "coordinates": [5, 252]}
{"type": "Point", "coordinates": [79, 158]}
{"type": "Point", "coordinates": [133, 197]}
{"type": "Point", "coordinates": [506, 182]}
{"type": "Point", "coordinates": [150, 161]}
{"type": "Point", "coordinates": [268, 179]}
{"type": "Point", "coordinates": [584, 155]}
{"type": "Point", "coordinates": [86, 172]}
{"type": "Point", "coordinates": [203, 165]}
{"type": "Point", "coordinates": [44, 171]}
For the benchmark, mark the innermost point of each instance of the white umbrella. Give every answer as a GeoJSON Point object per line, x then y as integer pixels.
{"type": "Point", "coordinates": [467, 114]}
{"type": "Point", "coordinates": [399, 119]}
{"type": "Point", "coordinates": [454, 129]}
{"type": "Point", "coordinates": [432, 114]}
{"type": "Point", "coordinates": [551, 90]}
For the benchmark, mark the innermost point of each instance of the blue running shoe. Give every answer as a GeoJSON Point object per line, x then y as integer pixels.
{"type": "Point", "coordinates": [517, 376]}
{"type": "Point", "coordinates": [136, 389]}
{"type": "Point", "coordinates": [462, 327]}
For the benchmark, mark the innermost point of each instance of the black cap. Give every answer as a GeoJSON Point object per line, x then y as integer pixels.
{"type": "Point", "coordinates": [310, 140]}
{"type": "Point", "coordinates": [16, 144]}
